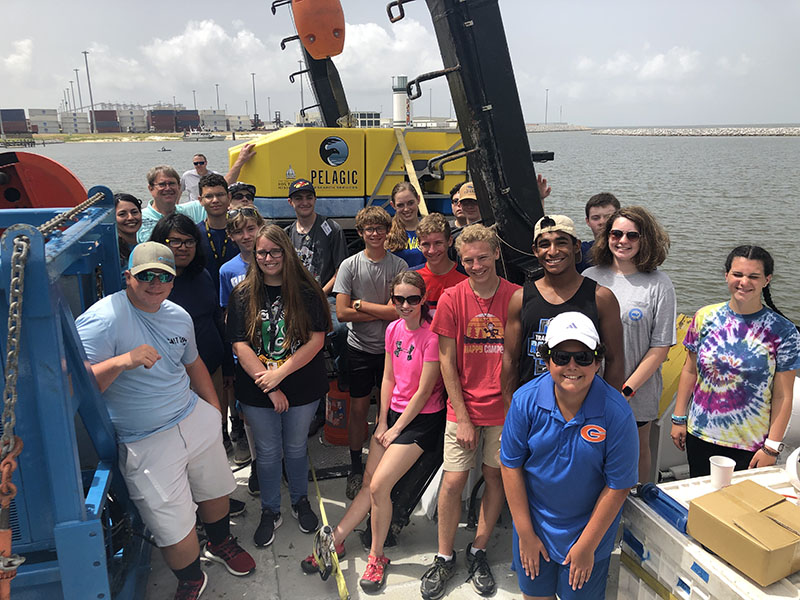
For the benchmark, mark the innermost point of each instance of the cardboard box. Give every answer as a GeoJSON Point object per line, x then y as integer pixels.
{"type": "Point", "coordinates": [753, 528]}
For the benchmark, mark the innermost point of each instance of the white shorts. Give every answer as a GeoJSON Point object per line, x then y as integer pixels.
{"type": "Point", "coordinates": [167, 472]}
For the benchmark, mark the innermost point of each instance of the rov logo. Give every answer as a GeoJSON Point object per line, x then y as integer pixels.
{"type": "Point", "coordinates": [333, 151]}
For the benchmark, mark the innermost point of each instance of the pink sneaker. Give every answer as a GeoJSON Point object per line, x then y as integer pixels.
{"type": "Point", "coordinates": [374, 576]}
{"type": "Point", "coordinates": [232, 555]}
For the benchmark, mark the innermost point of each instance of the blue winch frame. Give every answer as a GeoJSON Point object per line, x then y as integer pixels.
{"type": "Point", "coordinates": [61, 523]}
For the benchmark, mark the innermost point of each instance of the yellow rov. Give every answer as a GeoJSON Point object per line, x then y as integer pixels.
{"type": "Point", "coordinates": [353, 168]}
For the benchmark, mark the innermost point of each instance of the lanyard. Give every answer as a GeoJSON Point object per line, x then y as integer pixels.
{"type": "Point", "coordinates": [217, 256]}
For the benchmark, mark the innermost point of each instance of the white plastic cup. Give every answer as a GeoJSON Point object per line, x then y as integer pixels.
{"type": "Point", "coordinates": [721, 471]}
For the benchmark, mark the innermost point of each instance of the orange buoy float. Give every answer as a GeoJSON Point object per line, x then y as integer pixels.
{"type": "Point", "coordinates": [33, 181]}
{"type": "Point", "coordinates": [320, 25]}
{"type": "Point", "coordinates": [337, 415]}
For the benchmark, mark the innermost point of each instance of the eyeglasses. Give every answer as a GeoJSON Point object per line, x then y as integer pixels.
{"type": "Point", "coordinates": [198, 163]}
{"type": "Point", "coordinates": [177, 243]}
{"type": "Point", "coordinates": [243, 196]}
{"type": "Point", "coordinates": [618, 234]}
{"type": "Point", "coordinates": [371, 230]}
{"type": "Point", "coordinates": [412, 300]}
{"type": "Point", "coordinates": [148, 276]}
{"type": "Point", "coordinates": [583, 358]}
{"type": "Point", "coordinates": [274, 253]}
{"type": "Point", "coordinates": [245, 211]}
{"type": "Point", "coordinates": [220, 195]}
{"type": "Point", "coordinates": [165, 184]}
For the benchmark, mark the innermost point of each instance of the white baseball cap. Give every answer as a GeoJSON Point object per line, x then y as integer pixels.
{"type": "Point", "coordinates": [571, 326]}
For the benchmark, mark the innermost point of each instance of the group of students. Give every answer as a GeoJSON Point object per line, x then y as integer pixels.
{"type": "Point", "coordinates": [455, 348]}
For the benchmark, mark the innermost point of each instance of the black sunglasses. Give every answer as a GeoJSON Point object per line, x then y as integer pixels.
{"type": "Point", "coordinates": [198, 163]}
{"type": "Point", "coordinates": [583, 358]}
{"type": "Point", "coordinates": [148, 276]}
{"type": "Point", "coordinates": [618, 234]}
{"type": "Point", "coordinates": [412, 300]}
{"type": "Point", "coordinates": [242, 195]}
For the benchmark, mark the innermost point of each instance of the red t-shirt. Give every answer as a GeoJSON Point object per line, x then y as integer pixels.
{"type": "Point", "coordinates": [436, 284]}
{"type": "Point", "coordinates": [478, 326]}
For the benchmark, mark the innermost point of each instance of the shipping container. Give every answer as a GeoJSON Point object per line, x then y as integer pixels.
{"type": "Point", "coordinates": [105, 115]}
{"type": "Point", "coordinates": [42, 112]}
{"type": "Point", "coordinates": [15, 126]}
{"type": "Point", "coordinates": [12, 114]}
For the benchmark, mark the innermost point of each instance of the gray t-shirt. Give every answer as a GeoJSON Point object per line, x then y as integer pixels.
{"type": "Point", "coordinates": [322, 249]}
{"type": "Point", "coordinates": [361, 278]}
{"type": "Point", "coordinates": [647, 311]}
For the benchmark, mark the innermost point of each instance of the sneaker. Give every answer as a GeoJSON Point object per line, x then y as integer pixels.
{"type": "Point", "coordinates": [232, 555]}
{"type": "Point", "coordinates": [252, 482]}
{"type": "Point", "coordinates": [237, 507]}
{"type": "Point", "coordinates": [306, 519]}
{"type": "Point", "coordinates": [375, 574]}
{"type": "Point", "coordinates": [479, 572]}
{"type": "Point", "coordinates": [309, 564]}
{"type": "Point", "coordinates": [265, 532]}
{"type": "Point", "coordinates": [241, 451]}
{"type": "Point", "coordinates": [191, 590]}
{"type": "Point", "coordinates": [434, 580]}
{"type": "Point", "coordinates": [354, 481]}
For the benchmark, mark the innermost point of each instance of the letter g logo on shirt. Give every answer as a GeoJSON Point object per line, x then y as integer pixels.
{"type": "Point", "coordinates": [593, 433]}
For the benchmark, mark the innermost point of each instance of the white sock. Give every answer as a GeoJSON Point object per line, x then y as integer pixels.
{"type": "Point", "coordinates": [473, 550]}
{"type": "Point", "coordinates": [447, 558]}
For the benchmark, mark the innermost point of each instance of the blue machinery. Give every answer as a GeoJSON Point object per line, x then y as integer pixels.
{"type": "Point", "coordinates": [71, 519]}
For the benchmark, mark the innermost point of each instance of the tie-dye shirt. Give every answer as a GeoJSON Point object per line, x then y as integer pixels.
{"type": "Point", "coordinates": [737, 358]}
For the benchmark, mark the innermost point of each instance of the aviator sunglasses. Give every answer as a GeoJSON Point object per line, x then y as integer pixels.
{"type": "Point", "coordinates": [245, 211]}
{"type": "Point", "coordinates": [583, 358]}
{"type": "Point", "coordinates": [618, 234]}
{"type": "Point", "coordinates": [412, 300]}
{"type": "Point", "coordinates": [148, 276]}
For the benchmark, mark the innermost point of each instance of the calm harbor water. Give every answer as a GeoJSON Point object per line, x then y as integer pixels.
{"type": "Point", "coordinates": [710, 193]}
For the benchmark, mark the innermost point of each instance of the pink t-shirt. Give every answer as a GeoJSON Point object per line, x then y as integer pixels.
{"type": "Point", "coordinates": [478, 326]}
{"type": "Point", "coordinates": [409, 351]}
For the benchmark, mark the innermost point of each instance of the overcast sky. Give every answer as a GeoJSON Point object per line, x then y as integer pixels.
{"type": "Point", "coordinates": [605, 63]}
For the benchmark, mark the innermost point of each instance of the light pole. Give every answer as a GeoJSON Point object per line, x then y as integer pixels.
{"type": "Point", "coordinates": [269, 108]}
{"type": "Point", "coordinates": [66, 99]}
{"type": "Point", "coordinates": [78, 81]}
{"type": "Point", "coordinates": [255, 108]}
{"type": "Point", "coordinates": [194, 98]}
{"type": "Point", "coordinates": [91, 98]}
{"type": "Point", "coordinates": [216, 85]}
{"type": "Point", "coordinates": [72, 87]}
{"type": "Point", "coordinates": [546, 98]}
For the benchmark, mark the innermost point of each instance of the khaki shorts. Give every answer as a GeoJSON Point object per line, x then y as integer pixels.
{"type": "Point", "coordinates": [457, 458]}
{"type": "Point", "coordinates": [167, 472]}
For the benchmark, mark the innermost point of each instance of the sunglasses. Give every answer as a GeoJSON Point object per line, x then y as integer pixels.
{"type": "Point", "coordinates": [412, 300]}
{"type": "Point", "coordinates": [245, 211]}
{"type": "Point", "coordinates": [274, 253]}
{"type": "Point", "coordinates": [148, 276]}
{"type": "Point", "coordinates": [177, 243]}
{"type": "Point", "coordinates": [583, 358]}
{"type": "Point", "coordinates": [618, 234]}
{"type": "Point", "coordinates": [243, 196]}
{"type": "Point", "coordinates": [198, 163]}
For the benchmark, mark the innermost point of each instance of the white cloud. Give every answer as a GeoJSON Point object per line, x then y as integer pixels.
{"type": "Point", "coordinates": [677, 63]}
{"type": "Point", "coordinates": [619, 64]}
{"type": "Point", "coordinates": [19, 61]}
{"type": "Point", "coordinates": [740, 65]}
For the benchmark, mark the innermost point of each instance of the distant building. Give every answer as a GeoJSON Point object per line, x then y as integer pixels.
{"type": "Point", "coordinates": [239, 123]}
{"type": "Point", "coordinates": [133, 120]}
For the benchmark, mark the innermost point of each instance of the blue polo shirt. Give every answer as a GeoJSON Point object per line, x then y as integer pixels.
{"type": "Point", "coordinates": [567, 465]}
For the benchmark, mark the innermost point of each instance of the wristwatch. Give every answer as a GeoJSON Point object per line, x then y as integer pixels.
{"type": "Point", "coordinates": [628, 392]}
{"type": "Point", "coordinates": [357, 305]}
{"type": "Point", "coordinates": [772, 447]}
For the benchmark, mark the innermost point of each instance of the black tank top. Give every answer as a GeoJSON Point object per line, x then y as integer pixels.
{"type": "Point", "coordinates": [536, 314]}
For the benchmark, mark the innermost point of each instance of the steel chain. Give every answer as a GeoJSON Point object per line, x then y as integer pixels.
{"type": "Point", "coordinates": [52, 224]}
{"type": "Point", "coordinates": [19, 257]}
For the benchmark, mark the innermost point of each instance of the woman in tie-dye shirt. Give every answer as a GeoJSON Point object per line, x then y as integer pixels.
{"type": "Point", "coordinates": [739, 372]}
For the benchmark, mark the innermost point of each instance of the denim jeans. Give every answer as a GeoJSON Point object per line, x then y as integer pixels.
{"type": "Point", "coordinates": [276, 437]}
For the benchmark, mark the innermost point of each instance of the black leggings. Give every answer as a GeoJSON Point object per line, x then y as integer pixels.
{"type": "Point", "coordinates": [699, 451]}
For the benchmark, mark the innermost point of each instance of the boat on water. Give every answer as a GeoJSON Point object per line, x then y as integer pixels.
{"type": "Point", "coordinates": [164, 149]}
{"type": "Point", "coordinates": [198, 135]}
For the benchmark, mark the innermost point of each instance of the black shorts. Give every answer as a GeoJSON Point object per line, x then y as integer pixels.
{"type": "Point", "coordinates": [698, 452]}
{"type": "Point", "coordinates": [426, 430]}
{"type": "Point", "coordinates": [366, 371]}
